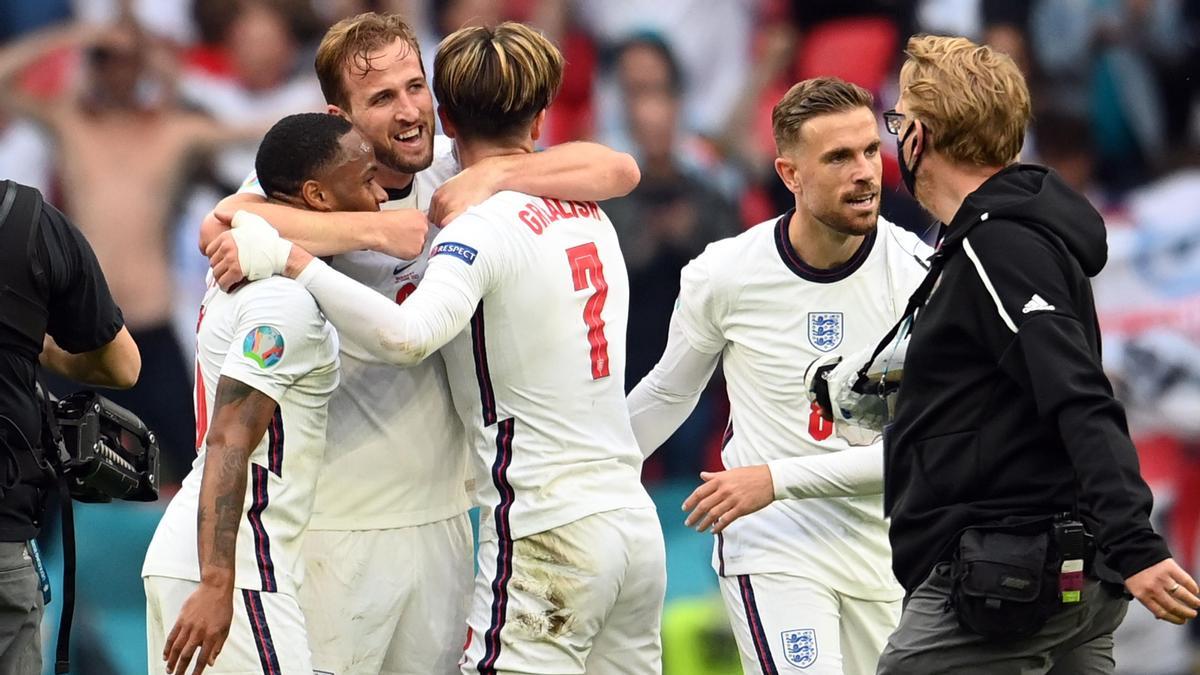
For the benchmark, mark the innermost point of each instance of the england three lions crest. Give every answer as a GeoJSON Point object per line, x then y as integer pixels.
{"type": "Point", "coordinates": [800, 647]}
{"type": "Point", "coordinates": [825, 330]}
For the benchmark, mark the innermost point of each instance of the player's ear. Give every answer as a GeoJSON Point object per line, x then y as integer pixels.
{"type": "Point", "coordinates": [786, 169]}
{"type": "Point", "coordinates": [335, 110]}
{"type": "Point", "coordinates": [315, 197]}
{"type": "Point", "coordinates": [447, 126]}
{"type": "Point", "coordinates": [535, 131]}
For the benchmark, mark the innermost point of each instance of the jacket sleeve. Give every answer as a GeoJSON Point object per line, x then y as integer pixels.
{"type": "Point", "coordinates": [1032, 323]}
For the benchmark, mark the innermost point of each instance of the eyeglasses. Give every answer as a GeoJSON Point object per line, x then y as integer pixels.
{"type": "Point", "coordinates": [894, 121]}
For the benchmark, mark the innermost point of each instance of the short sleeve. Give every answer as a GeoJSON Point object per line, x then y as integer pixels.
{"type": "Point", "coordinates": [698, 308]}
{"type": "Point", "coordinates": [251, 186]}
{"type": "Point", "coordinates": [83, 316]}
{"type": "Point", "coordinates": [280, 337]}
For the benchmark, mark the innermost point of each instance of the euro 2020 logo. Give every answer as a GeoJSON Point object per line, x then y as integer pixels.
{"type": "Point", "coordinates": [264, 346]}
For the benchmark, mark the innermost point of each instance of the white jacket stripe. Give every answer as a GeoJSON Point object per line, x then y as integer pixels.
{"type": "Point", "coordinates": [987, 283]}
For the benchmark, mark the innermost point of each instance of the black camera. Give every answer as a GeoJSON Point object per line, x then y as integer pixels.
{"type": "Point", "coordinates": [106, 452]}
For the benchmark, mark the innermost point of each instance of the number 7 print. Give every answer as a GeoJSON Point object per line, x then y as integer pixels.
{"type": "Point", "coordinates": [584, 260]}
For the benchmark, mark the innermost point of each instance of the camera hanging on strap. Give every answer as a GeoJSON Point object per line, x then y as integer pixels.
{"type": "Point", "coordinates": [94, 451]}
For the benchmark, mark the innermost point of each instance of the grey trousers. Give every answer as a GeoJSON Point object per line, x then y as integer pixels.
{"type": "Point", "coordinates": [20, 612]}
{"type": "Point", "coordinates": [1078, 640]}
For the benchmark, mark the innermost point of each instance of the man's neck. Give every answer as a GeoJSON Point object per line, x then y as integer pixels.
{"type": "Point", "coordinates": [819, 245]}
{"type": "Point", "coordinates": [948, 192]}
{"type": "Point", "coordinates": [474, 151]}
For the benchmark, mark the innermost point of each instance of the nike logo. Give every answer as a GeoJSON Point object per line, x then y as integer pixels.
{"type": "Point", "coordinates": [403, 266]}
{"type": "Point", "coordinates": [1037, 304]}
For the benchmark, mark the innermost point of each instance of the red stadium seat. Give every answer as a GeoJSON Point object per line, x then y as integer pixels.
{"type": "Point", "coordinates": [860, 50]}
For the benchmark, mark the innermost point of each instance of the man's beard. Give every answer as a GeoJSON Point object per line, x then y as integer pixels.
{"type": "Point", "coordinates": [835, 221]}
{"type": "Point", "coordinates": [385, 156]}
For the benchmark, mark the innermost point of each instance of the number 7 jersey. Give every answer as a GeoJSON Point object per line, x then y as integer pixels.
{"type": "Point", "coordinates": [538, 377]}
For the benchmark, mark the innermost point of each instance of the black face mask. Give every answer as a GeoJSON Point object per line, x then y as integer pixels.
{"type": "Point", "coordinates": [908, 174]}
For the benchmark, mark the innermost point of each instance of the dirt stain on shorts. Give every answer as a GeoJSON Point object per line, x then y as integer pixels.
{"type": "Point", "coordinates": [547, 568]}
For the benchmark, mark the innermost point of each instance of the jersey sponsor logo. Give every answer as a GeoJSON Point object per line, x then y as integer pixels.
{"type": "Point", "coordinates": [402, 266]}
{"type": "Point", "coordinates": [461, 251]}
{"type": "Point", "coordinates": [825, 330]}
{"type": "Point", "coordinates": [264, 346]}
{"type": "Point", "coordinates": [800, 647]}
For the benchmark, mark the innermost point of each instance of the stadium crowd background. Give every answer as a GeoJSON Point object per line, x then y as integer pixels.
{"type": "Point", "coordinates": [686, 86]}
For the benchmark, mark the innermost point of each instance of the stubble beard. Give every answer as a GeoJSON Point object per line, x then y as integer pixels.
{"type": "Point", "coordinates": [849, 227]}
{"type": "Point", "coordinates": [388, 158]}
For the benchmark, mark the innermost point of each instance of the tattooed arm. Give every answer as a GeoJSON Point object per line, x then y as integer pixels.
{"type": "Point", "coordinates": [240, 418]}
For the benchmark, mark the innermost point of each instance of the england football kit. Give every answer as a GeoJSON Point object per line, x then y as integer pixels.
{"type": "Point", "coordinates": [394, 483]}
{"type": "Point", "coordinates": [528, 300]}
{"type": "Point", "coordinates": [270, 336]}
{"type": "Point", "coordinates": [807, 582]}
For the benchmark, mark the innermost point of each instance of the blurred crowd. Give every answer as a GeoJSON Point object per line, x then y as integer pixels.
{"type": "Point", "coordinates": [136, 116]}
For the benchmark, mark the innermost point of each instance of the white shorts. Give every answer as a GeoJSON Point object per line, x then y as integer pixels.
{"type": "Point", "coordinates": [586, 597]}
{"type": "Point", "coordinates": [789, 624]}
{"type": "Point", "coordinates": [266, 637]}
{"type": "Point", "coordinates": [388, 602]}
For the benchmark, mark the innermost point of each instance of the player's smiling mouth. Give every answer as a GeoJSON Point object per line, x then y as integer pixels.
{"type": "Point", "coordinates": [409, 137]}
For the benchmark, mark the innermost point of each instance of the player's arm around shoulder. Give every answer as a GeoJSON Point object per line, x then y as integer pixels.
{"type": "Point", "coordinates": [400, 233]}
{"type": "Point", "coordinates": [579, 171]}
{"type": "Point", "coordinates": [460, 271]}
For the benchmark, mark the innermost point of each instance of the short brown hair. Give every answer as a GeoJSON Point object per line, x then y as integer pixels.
{"type": "Point", "coordinates": [972, 99]}
{"type": "Point", "coordinates": [492, 82]}
{"type": "Point", "coordinates": [348, 45]}
{"type": "Point", "coordinates": [808, 99]}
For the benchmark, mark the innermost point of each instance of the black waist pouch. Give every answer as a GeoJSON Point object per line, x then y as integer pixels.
{"type": "Point", "coordinates": [1005, 583]}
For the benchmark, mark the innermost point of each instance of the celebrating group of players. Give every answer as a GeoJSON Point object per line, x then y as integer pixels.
{"type": "Point", "coordinates": [340, 393]}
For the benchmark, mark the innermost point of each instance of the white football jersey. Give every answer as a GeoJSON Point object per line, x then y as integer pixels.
{"type": "Point", "coordinates": [397, 455]}
{"type": "Point", "coordinates": [271, 336]}
{"type": "Point", "coordinates": [751, 299]}
{"type": "Point", "coordinates": [538, 376]}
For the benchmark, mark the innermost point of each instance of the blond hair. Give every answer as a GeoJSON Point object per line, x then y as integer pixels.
{"type": "Point", "coordinates": [492, 82]}
{"type": "Point", "coordinates": [972, 99]}
{"type": "Point", "coordinates": [347, 46]}
{"type": "Point", "coordinates": [810, 98]}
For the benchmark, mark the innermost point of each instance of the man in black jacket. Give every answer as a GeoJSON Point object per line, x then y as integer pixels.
{"type": "Point", "coordinates": [1006, 433]}
{"type": "Point", "coordinates": [54, 308]}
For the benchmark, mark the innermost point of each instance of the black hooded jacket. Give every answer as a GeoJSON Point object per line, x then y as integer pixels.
{"type": "Point", "coordinates": [1004, 412]}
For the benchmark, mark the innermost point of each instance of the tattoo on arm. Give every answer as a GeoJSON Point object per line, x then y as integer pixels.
{"type": "Point", "coordinates": [239, 420]}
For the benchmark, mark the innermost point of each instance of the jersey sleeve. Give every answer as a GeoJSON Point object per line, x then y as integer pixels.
{"type": "Point", "coordinates": [251, 186]}
{"type": "Point", "coordinates": [700, 308]}
{"type": "Point", "coordinates": [83, 316]}
{"type": "Point", "coordinates": [466, 261]}
{"type": "Point", "coordinates": [278, 339]}
{"type": "Point", "coordinates": [470, 255]}
{"type": "Point", "coordinates": [853, 472]}
{"type": "Point", "coordinates": [664, 399]}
